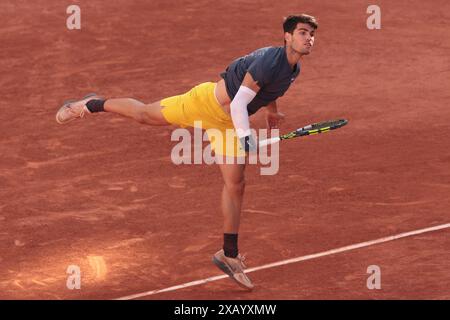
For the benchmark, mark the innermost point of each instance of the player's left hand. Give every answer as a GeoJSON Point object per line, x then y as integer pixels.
{"type": "Point", "coordinates": [274, 120]}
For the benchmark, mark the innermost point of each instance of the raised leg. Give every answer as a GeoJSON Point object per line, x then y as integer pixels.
{"type": "Point", "coordinates": [143, 113]}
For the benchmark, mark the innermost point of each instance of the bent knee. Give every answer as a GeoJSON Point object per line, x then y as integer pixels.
{"type": "Point", "coordinates": [236, 187]}
{"type": "Point", "coordinates": [152, 114]}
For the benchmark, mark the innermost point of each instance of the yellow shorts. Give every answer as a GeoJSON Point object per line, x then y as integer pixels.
{"type": "Point", "coordinates": [200, 104]}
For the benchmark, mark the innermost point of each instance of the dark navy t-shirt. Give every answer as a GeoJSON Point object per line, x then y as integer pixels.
{"type": "Point", "coordinates": [269, 67]}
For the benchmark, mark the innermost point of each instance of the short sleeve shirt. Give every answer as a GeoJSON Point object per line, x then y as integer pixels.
{"type": "Point", "coordinates": [269, 67]}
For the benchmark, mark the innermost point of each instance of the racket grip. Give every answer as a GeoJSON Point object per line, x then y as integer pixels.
{"type": "Point", "coordinates": [266, 142]}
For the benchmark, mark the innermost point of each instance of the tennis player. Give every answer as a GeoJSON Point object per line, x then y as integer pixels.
{"type": "Point", "coordinates": [249, 83]}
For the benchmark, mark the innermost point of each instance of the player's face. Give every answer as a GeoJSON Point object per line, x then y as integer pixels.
{"type": "Point", "coordinates": [302, 39]}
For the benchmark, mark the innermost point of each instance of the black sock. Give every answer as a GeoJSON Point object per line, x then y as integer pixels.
{"type": "Point", "coordinates": [230, 244]}
{"type": "Point", "coordinates": [96, 105]}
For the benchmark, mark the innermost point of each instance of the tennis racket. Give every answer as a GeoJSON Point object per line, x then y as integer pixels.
{"type": "Point", "coordinates": [315, 128]}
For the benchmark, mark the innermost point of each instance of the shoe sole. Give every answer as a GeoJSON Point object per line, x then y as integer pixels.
{"type": "Point", "coordinates": [222, 266]}
{"type": "Point", "coordinates": [67, 102]}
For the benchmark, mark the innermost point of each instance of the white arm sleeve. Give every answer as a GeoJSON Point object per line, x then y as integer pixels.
{"type": "Point", "coordinates": [238, 110]}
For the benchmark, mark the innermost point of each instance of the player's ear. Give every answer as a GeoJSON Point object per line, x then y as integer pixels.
{"type": "Point", "coordinates": [287, 37]}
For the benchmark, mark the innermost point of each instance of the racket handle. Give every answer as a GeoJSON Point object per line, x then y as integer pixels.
{"type": "Point", "coordinates": [266, 142]}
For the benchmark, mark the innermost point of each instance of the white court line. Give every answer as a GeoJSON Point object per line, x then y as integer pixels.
{"type": "Point", "coordinates": [293, 260]}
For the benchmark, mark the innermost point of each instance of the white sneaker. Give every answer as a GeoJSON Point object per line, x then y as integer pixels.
{"type": "Point", "coordinates": [73, 109]}
{"type": "Point", "coordinates": [234, 268]}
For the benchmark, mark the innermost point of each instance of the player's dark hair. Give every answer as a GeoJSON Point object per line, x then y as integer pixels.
{"type": "Point", "coordinates": [290, 23]}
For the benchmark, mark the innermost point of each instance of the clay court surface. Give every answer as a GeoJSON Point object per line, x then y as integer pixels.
{"type": "Point", "coordinates": [103, 194]}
